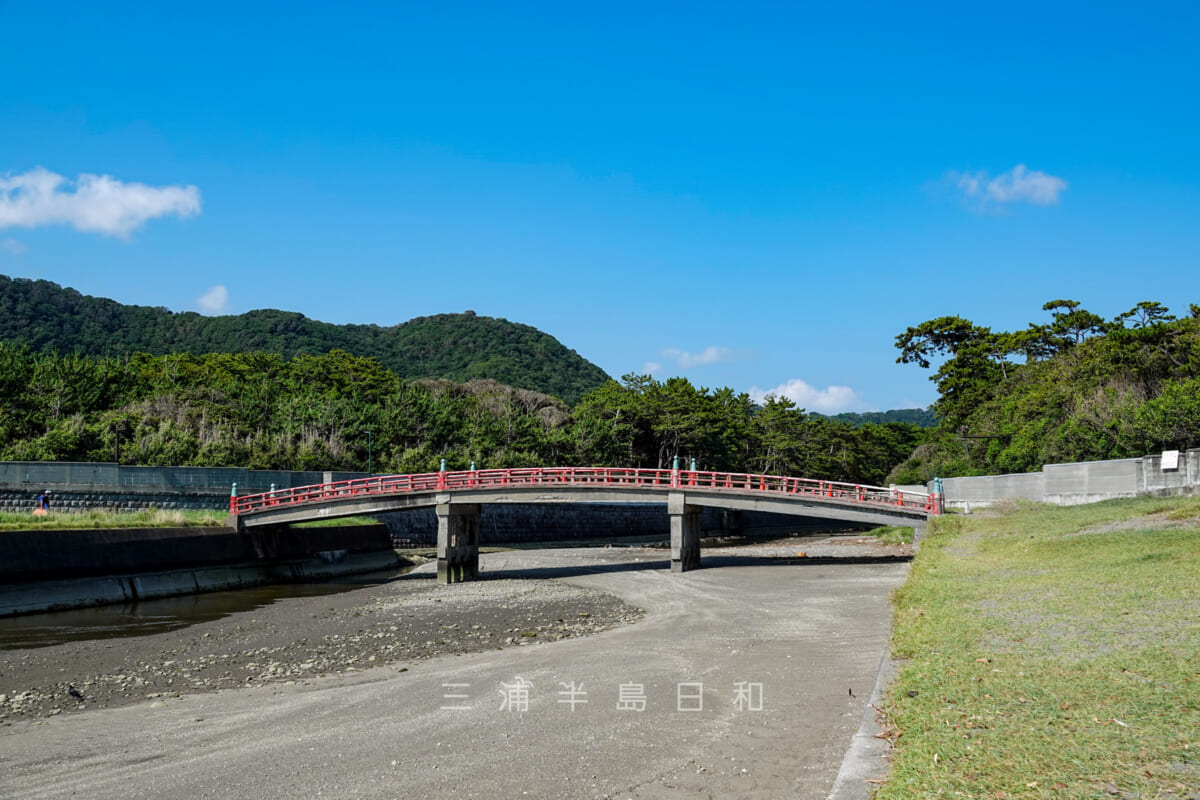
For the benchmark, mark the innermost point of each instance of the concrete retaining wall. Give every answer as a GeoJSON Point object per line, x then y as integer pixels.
{"type": "Point", "coordinates": [28, 598]}
{"type": "Point", "coordinates": [1153, 479]}
{"type": "Point", "coordinates": [39, 555]}
{"type": "Point", "coordinates": [79, 487]}
{"type": "Point", "coordinates": [535, 522]}
{"type": "Point", "coordinates": [1083, 482]}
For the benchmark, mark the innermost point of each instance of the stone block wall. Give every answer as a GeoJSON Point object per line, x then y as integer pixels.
{"type": "Point", "coordinates": [116, 500]}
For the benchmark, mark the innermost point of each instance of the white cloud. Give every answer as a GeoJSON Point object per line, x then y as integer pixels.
{"type": "Point", "coordinates": [214, 301]}
{"type": "Point", "coordinates": [651, 368]}
{"type": "Point", "coordinates": [99, 204]}
{"type": "Point", "coordinates": [13, 247]}
{"type": "Point", "coordinates": [710, 355]}
{"type": "Point", "coordinates": [1019, 185]}
{"type": "Point", "coordinates": [830, 400]}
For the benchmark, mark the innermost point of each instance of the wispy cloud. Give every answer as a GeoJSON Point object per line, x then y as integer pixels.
{"type": "Point", "coordinates": [99, 203]}
{"type": "Point", "coordinates": [709, 355]}
{"type": "Point", "coordinates": [214, 301]}
{"type": "Point", "coordinates": [13, 247]}
{"type": "Point", "coordinates": [1018, 185]}
{"type": "Point", "coordinates": [830, 400]}
{"type": "Point", "coordinates": [651, 368]}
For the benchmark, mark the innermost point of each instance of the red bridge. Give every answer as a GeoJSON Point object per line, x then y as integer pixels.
{"type": "Point", "coordinates": [457, 496]}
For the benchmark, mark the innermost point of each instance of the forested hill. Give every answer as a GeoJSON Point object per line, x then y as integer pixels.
{"type": "Point", "coordinates": [458, 347]}
{"type": "Point", "coordinates": [921, 417]}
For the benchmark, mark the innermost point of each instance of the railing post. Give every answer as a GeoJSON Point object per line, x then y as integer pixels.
{"type": "Point", "coordinates": [675, 473]}
{"type": "Point", "coordinates": [233, 499]}
{"type": "Point", "coordinates": [441, 478]}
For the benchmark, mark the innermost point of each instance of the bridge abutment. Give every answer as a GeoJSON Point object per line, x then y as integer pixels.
{"type": "Point", "coordinates": [685, 533]}
{"type": "Point", "coordinates": [457, 542]}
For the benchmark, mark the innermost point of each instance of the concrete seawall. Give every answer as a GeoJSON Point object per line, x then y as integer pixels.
{"type": "Point", "coordinates": [46, 570]}
{"type": "Point", "coordinates": [86, 486]}
{"type": "Point", "coordinates": [38, 596]}
{"type": "Point", "coordinates": [1082, 482]}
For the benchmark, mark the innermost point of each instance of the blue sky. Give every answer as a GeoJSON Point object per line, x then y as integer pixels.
{"type": "Point", "coordinates": [754, 195]}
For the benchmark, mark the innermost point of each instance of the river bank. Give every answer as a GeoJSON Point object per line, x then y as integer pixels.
{"type": "Point", "coordinates": [803, 636]}
{"type": "Point", "coordinates": [302, 638]}
{"type": "Point", "coordinates": [403, 618]}
{"type": "Point", "coordinates": [57, 569]}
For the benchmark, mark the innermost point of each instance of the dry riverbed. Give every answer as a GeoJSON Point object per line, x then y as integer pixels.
{"type": "Point", "coordinates": [296, 639]}
{"type": "Point", "coordinates": [300, 638]}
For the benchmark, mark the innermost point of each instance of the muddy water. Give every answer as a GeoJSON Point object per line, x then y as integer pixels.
{"type": "Point", "coordinates": [166, 614]}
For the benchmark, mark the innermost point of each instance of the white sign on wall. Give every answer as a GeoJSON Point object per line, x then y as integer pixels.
{"type": "Point", "coordinates": [1170, 460]}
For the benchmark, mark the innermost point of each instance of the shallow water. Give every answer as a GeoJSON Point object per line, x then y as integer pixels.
{"type": "Point", "coordinates": [165, 614]}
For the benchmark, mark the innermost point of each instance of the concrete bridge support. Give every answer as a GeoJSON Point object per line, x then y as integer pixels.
{"type": "Point", "coordinates": [457, 542]}
{"type": "Point", "coordinates": [685, 533]}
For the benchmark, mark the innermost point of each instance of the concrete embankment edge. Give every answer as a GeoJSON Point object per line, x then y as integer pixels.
{"type": "Point", "coordinates": [60, 595]}
{"type": "Point", "coordinates": [864, 760]}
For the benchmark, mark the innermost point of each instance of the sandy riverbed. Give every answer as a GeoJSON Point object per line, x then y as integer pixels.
{"type": "Point", "coordinates": [269, 704]}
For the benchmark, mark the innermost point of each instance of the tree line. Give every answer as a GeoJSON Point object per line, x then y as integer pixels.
{"type": "Point", "coordinates": [1077, 387]}
{"type": "Point", "coordinates": [337, 411]}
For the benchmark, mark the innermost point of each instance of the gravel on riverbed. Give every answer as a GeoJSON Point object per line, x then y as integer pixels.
{"type": "Point", "coordinates": [300, 638]}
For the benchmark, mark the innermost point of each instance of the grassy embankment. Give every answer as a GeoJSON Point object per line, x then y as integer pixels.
{"type": "Point", "coordinates": [1051, 652]}
{"type": "Point", "coordinates": [892, 534]}
{"type": "Point", "coordinates": [152, 518]}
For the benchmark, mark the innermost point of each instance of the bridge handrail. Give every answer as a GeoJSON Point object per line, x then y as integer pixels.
{"type": "Point", "coordinates": [664, 479]}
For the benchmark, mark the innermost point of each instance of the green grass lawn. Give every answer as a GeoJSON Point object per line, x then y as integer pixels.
{"type": "Point", "coordinates": [337, 522]}
{"type": "Point", "coordinates": [152, 518]}
{"type": "Point", "coordinates": [1051, 652]}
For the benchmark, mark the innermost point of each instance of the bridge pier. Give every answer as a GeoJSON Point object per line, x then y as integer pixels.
{"type": "Point", "coordinates": [457, 541]}
{"type": "Point", "coordinates": [685, 533]}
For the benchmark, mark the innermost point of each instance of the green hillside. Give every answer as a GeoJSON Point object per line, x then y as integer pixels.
{"type": "Point", "coordinates": [1078, 388]}
{"type": "Point", "coordinates": [458, 347]}
{"type": "Point", "coordinates": [343, 412]}
{"type": "Point", "coordinates": [921, 417]}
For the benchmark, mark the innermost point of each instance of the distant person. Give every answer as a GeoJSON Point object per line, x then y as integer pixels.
{"type": "Point", "coordinates": [43, 504]}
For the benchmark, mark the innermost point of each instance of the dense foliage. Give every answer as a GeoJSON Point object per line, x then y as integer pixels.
{"type": "Point", "coordinates": [1087, 389]}
{"type": "Point", "coordinates": [921, 417]}
{"type": "Point", "coordinates": [261, 410]}
{"type": "Point", "coordinates": [459, 347]}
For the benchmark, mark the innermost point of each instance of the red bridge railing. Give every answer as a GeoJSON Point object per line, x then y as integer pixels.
{"type": "Point", "coordinates": [664, 479]}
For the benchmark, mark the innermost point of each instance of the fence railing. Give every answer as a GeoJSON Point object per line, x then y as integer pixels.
{"type": "Point", "coordinates": [655, 479]}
